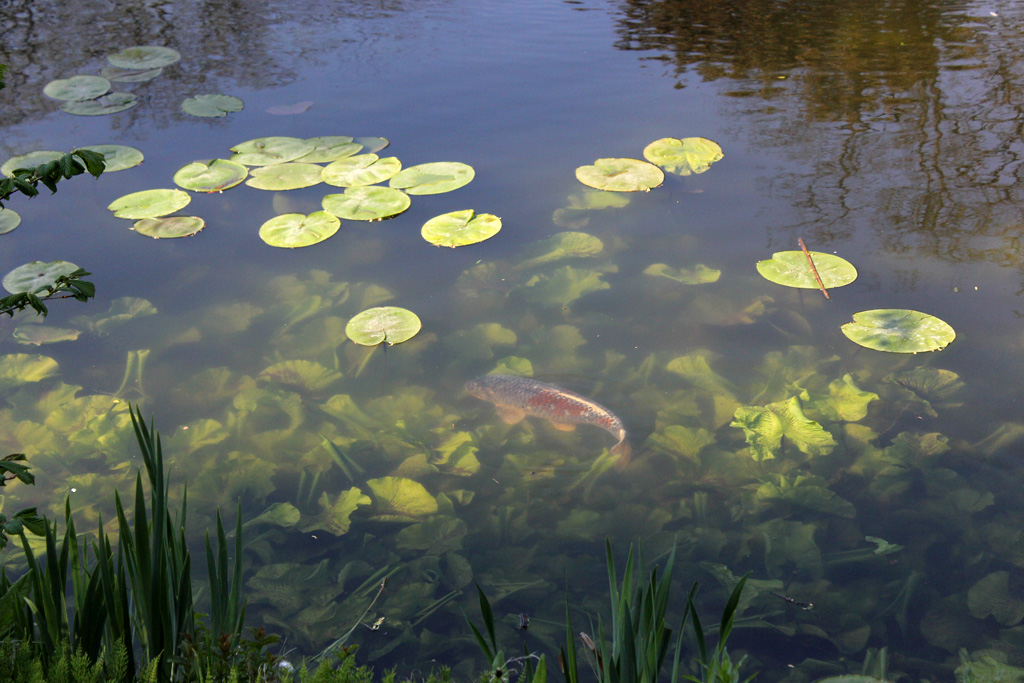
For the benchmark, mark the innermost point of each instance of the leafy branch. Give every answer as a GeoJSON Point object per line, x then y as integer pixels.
{"type": "Point", "coordinates": [26, 180]}
{"type": "Point", "coordinates": [69, 286]}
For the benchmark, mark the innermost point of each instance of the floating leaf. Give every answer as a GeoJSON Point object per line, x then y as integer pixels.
{"type": "Point", "coordinates": [561, 246]}
{"type": "Point", "coordinates": [9, 220]}
{"type": "Point", "coordinates": [119, 75]}
{"type": "Point", "coordinates": [301, 373]}
{"type": "Point", "coordinates": [169, 227]}
{"type": "Point", "coordinates": [285, 176]}
{"type": "Point", "coordinates": [144, 57]}
{"type": "Point", "coordinates": [459, 228]}
{"type": "Point", "coordinates": [36, 275]}
{"type": "Point", "coordinates": [367, 203]}
{"type": "Point", "coordinates": [117, 157]}
{"type": "Point", "coordinates": [790, 269]}
{"type": "Point", "coordinates": [24, 368]}
{"type": "Point", "coordinates": [373, 144]}
{"type": "Point", "coordinates": [397, 499]}
{"type": "Point", "coordinates": [698, 275]}
{"type": "Point", "coordinates": [433, 178]}
{"type": "Point", "coordinates": [290, 109]}
{"type": "Point", "coordinates": [620, 175]}
{"type": "Point", "coordinates": [898, 330]}
{"type": "Point", "coordinates": [43, 334]}
{"type": "Point", "coordinates": [272, 150]}
{"type": "Point", "coordinates": [30, 160]}
{"type": "Point", "coordinates": [683, 156]}
{"type": "Point", "coordinates": [149, 203]}
{"type": "Point", "coordinates": [360, 170]}
{"type": "Point", "coordinates": [77, 88]}
{"type": "Point", "coordinates": [108, 104]}
{"type": "Point", "coordinates": [210, 175]}
{"type": "Point", "coordinates": [211, 106]}
{"type": "Point", "coordinates": [389, 324]}
{"type": "Point", "coordinates": [328, 148]}
{"type": "Point", "coordinates": [335, 514]}
{"type": "Point", "coordinates": [764, 427]}
{"type": "Point", "coordinates": [293, 230]}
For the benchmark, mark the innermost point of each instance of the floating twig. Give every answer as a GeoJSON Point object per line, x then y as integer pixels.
{"type": "Point", "coordinates": [821, 285]}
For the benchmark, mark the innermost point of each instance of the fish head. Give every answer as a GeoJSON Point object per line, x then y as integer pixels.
{"type": "Point", "coordinates": [484, 388]}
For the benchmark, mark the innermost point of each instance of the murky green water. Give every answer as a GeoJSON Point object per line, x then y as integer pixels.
{"type": "Point", "coordinates": [888, 133]}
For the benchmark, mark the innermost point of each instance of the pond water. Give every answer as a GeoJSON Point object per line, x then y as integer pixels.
{"type": "Point", "coordinates": [888, 133]}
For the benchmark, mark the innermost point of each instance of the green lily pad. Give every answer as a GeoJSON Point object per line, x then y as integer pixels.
{"type": "Point", "coordinates": [36, 275]}
{"type": "Point", "coordinates": [698, 275]}
{"type": "Point", "coordinates": [272, 150]}
{"type": "Point", "coordinates": [433, 178]}
{"type": "Point", "coordinates": [77, 88]}
{"type": "Point", "coordinates": [563, 285]}
{"type": "Point", "coordinates": [373, 144]}
{"type": "Point", "coordinates": [459, 228]}
{"type": "Point", "coordinates": [328, 148]}
{"type": "Point", "coordinates": [280, 514]}
{"type": "Point", "coordinates": [144, 57]}
{"type": "Point", "coordinates": [361, 170]}
{"type": "Point", "coordinates": [211, 175]}
{"type": "Point", "coordinates": [23, 368]}
{"type": "Point", "coordinates": [108, 104]}
{"type": "Point", "coordinates": [170, 226]}
{"type": "Point", "coordinates": [899, 330]}
{"type": "Point", "coordinates": [9, 220]}
{"type": "Point", "coordinates": [303, 374]}
{"type": "Point", "coordinates": [30, 160]}
{"type": "Point", "coordinates": [562, 245]}
{"type": "Point", "coordinates": [293, 230]}
{"type": "Point", "coordinates": [764, 427]}
{"type": "Point", "coordinates": [122, 310]}
{"type": "Point", "coordinates": [684, 156]}
{"type": "Point", "coordinates": [117, 157]}
{"type": "Point", "coordinates": [790, 269]}
{"type": "Point", "coordinates": [389, 324]}
{"type": "Point", "coordinates": [290, 175]}
{"type": "Point", "coordinates": [621, 175]}
{"type": "Point", "coordinates": [119, 75]}
{"type": "Point", "coordinates": [335, 514]}
{"type": "Point", "coordinates": [43, 334]}
{"type": "Point", "coordinates": [397, 499]}
{"type": "Point", "coordinates": [211, 106]}
{"type": "Point", "coordinates": [367, 203]}
{"type": "Point", "coordinates": [149, 203]}
{"type": "Point", "coordinates": [435, 536]}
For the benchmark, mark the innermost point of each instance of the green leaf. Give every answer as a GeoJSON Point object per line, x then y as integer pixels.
{"type": "Point", "coordinates": [9, 220]}
{"type": "Point", "coordinates": [24, 368]}
{"type": "Point", "coordinates": [765, 426]}
{"type": "Point", "coordinates": [367, 203]}
{"type": "Point", "coordinates": [43, 334]}
{"type": "Point", "coordinates": [111, 103]}
{"type": "Point", "coordinates": [328, 148]}
{"type": "Point", "coordinates": [845, 401]}
{"type": "Point", "coordinates": [433, 178]}
{"type": "Point", "coordinates": [169, 227]}
{"type": "Point", "coordinates": [122, 310]}
{"type": "Point", "coordinates": [37, 276]}
{"type": "Point", "coordinates": [389, 324]}
{"type": "Point", "coordinates": [364, 169]}
{"type": "Point", "coordinates": [478, 342]}
{"type": "Point", "coordinates": [77, 88]}
{"type": "Point", "coordinates": [791, 269]}
{"type": "Point", "coordinates": [564, 285]}
{"type": "Point", "coordinates": [29, 161]}
{"type": "Point", "coordinates": [335, 513]}
{"type": "Point", "coordinates": [149, 203]}
{"type": "Point", "coordinates": [436, 536]}
{"type": "Point", "coordinates": [621, 175]}
{"type": "Point", "coordinates": [397, 499]}
{"type": "Point", "coordinates": [119, 75]}
{"type": "Point", "coordinates": [684, 156]}
{"type": "Point", "coordinates": [698, 275]}
{"type": "Point", "coordinates": [144, 57]}
{"type": "Point", "coordinates": [211, 175]}
{"type": "Point", "coordinates": [115, 157]}
{"type": "Point", "coordinates": [790, 544]}
{"type": "Point", "coordinates": [279, 514]}
{"type": "Point", "coordinates": [459, 228]}
{"type": "Point", "coordinates": [270, 150]}
{"type": "Point", "coordinates": [562, 245]}
{"type": "Point", "coordinates": [211, 106]}
{"type": "Point", "coordinates": [293, 230]}
{"type": "Point", "coordinates": [898, 330]}
{"type": "Point", "coordinates": [285, 176]}
{"type": "Point", "coordinates": [804, 491]}
{"type": "Point", "coordinates": [303, 374]}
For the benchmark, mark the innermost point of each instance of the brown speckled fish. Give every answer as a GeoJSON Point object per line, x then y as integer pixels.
{"type": "Point", "coordinates": [517, 397]}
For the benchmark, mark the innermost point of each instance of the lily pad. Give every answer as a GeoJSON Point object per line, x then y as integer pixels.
{"type": "Point", "coordinates": [9, 220]}
{"type": "Point", "coordinates": [459, 228]}
{"type": "Point", "coordinates": [22, 368]}
{"type": "Point", "coordinates": [36, 275]}
{"type": "Point", "coordinates": [373, 144]}
{"type": "Point", "coordinates": [397, 499]}
{"type": "Point", "coordinates": [144, 57]}
{"type": "Point", "coordinates": [291, 175]}
{"type": "Point", "coordinates": [684, 156]}
{"type": "Point", "coordinates": [293, 230]}
{"type": "Point", "coordinates": [77, 88]}
{"type": "Point", "coordinates": [302, 374]}
{"type": "Point", "coordinates": [212, 106]}
{"type": "Point", "coordinates": [765, 426]}
{"type": "Point", "coordinates": [389, 324]}
{"type": "Point", "coordinates": [899, 330]}
{"type": "Point", "coordinates": [272, 150]}
{"type": "Point", "coordinates": [211, 175]}
{"type": "Point", "coordinates": [117, 157]}
{"type": "Point", "coordinates": [43, 334]}
{"type": "Point", "coordinates": [328, 148]}
{"type": "Point", "coordinates": [561, 246]}
{"type": "Point", "coordinates": [698, 275]}
{"type": "Point", "coordinates": [149, 203]}
{"type": "Point", "coordinates": [169, 227]}
{"type": "Point", "coordinates": [290, 109]}
{"type": "Point", "coordinates": [790, 269]}
{"type": "Point", "coordinates": [992, 595]}
{"type": "Point", "coordinates": [108, 104]}
{"type": "Point", "coordinates": [360, 170]}
{"type": "Point", "coordinates": [30, 160]}
{"type": "Point", "coordinates": [367, 203]}
{"type": "Point", "coordinates": [335, 514]}
{"type": "Point", "coordinates": [119, 75]}
{"type": "Point", "coordinates": [433, 178]}
{"type": "Point", "coordinates": [621, 175]}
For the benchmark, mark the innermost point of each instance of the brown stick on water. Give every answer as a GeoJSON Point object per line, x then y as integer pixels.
{"type": "Point", "coordinates": [821, 285]}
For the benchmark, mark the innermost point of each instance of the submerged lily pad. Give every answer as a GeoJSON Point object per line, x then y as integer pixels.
{"type": "Point", "coordinates": [149, 203]}
{"type": "Point", "coordinates": [43, 334]}
{"type": "Point", "coordinates": [108, 104]}
{"type": "Point", "coordinates": [621, 175]}
{"type": "Point", "coordinates": [119, 75]}
{"type": "Point", "coordinates": [698, 275]}
{"type": "Point", "coordinates": [684, 156]}
{"type": "Point", "coordinates": [22, 368]}
{"type": "Point", "coordinates": [328, 148]}
{"type": "Point", "coordinates": [212, 106]}
{"type": "Point", "coordinates": [373, 144]}
{"type": "Point", "coordinates": [790, 269]}
{"type": "Point", "coordinates": [144, 57]}
{"type": "Point", "coordinates": [291, 175]}
{"type": "Point", "coordinates": [459, 228]}
{"type": "Point", "coordinates": [397, 499]}
{"type": "Point", "coordinates": [9, 220]}
{"type": "Point", "coordinates": [36, 275]}
{"type": "Point", "coordinates": [169, 227]}
{"type": "Point", "coordinates": [293, 230]}
{"type": "Point", "coordinates": [360, 170]}
{"type": "Point", "coordinates": [77, 88]}
{"type": "Point", "coordinates": [433, 178]}
{"type": "Point", "coordinates": [117, 157]}
{"type": "Point", "coordinates": [367, 203]}
{"type": "Point", "coordinates": [271, 150]}
{"type": "Point", "coordinates": [389, 324]}
{"type": "Point", "coordinates": [335, 513]}
{"type": "Point", "coordinates": [211, 175]}
{"type": "Point", "coordinates": [899, 330]}
{"type": "Point", "coordinates": [765, 426]}
{"type": "Point", "coordinates": [30, 160]}
{"type": "Point", "coordinates": [560, 246]}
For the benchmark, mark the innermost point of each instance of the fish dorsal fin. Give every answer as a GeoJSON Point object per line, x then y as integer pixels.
{"type": "Point", "coordinates": [510, 415]}
{"type": "Point", "coordinates": [561, 426]}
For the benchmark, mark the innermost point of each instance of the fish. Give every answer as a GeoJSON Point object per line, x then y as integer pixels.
{"type": "Point", "coordinates": [516, 397]}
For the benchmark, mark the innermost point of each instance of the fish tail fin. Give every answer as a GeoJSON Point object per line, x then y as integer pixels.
{"type": "Point", "coordinates": [623, 453]}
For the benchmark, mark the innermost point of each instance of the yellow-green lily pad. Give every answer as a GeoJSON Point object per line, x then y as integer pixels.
{"type": "Point", "coordinates": [144, 57]}
{"type": "Point", "coordinates": [117, 157]}
{"type": "Point", "coordinates": [683, 156]}
{"type": "Point", "coordinates": [460, 228]}
{"type": "Point", "coordinates": [383, 324]}
{"type": "Point", "coordinates": [211, 106]}
{"type": "Point", "coordinates": [36, 275]}
{"type": "Point", "coordinates": [169, 226]}
{"type": "Point", "coordinates": [397, 499]}
{"type": "Point", "coordinates": [77, 88]}
{"type": "Point", "coordinates": [210, 175]}
{"type": "Point", "coordinates": [119, 75]}
{"type": "Point", "coordinates": [290, 175]}
{"type": "Point", "coordinates": [899, 330]}
{"type": "Point", "coordinates": [328, 148]}
{"type": "Point", "coordinates": [367, 203]}
{"type": "Point", "coordinates": [361, 170]}
{"type": "Point", "coordinates": [790, 269]}
{"type": "Point", "coordinates": [30, 160]}
{"type": "Point", "coordinates": [9, 220]}
{"type": "Point", "coordinates": [433, 178]}
{"type": "Point", "coordinates": [38, 335]}
{"type": "Point", "coordinates": [698, 275]}
{"type": "Point", "coordinates": [293, 230]}
{"type": "Point", "coordinates": [621, 175]}
{"type": "Point", "coordinates": [149, 203]}
{"type": "Point", "coordinates": [107, 104]}
{"type": "Point", "coordinates": [372, 143]}
{"type": "Point", "coordinates": [271, 150]}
